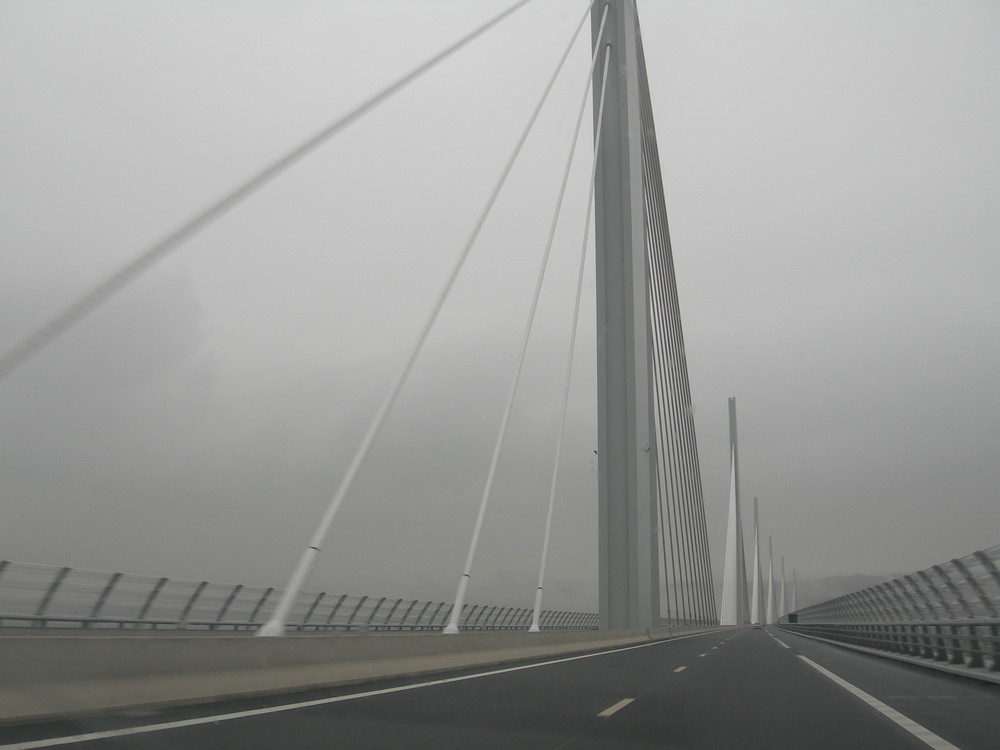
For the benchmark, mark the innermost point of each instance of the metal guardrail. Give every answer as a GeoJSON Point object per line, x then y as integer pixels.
{"type": "Point", "coordinates": [53, 597]}
{"type": "Point", "coordinates": [964, 588]}
{"type": "Point", "coordinates": [946, 613]}
{"type": "Point", "coordinates": [972, 643]}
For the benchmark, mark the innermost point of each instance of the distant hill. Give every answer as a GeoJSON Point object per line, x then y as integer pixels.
{"type": "Point", "coordinates": [821, 589]}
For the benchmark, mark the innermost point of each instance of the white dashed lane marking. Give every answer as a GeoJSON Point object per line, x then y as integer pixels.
{"type": "Point", "coordinates": [616, 707]}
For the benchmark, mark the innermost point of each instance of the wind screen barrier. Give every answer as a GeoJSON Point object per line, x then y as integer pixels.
{"type": "Point", "coordinates": [946, 613]}
{"type": "Point", "coordinates": [46, 596]}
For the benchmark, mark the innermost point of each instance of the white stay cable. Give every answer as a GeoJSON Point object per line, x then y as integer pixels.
{"type": "Point", "coordinates": [536, 615]}
{"type": "Point", "coordinates": [276, 625]}
{"type": "Point", "coordinates": [463, 581]}
{"type": "Point", "coordinates": [97, 295]}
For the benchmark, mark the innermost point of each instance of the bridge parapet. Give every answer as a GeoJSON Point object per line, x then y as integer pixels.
{"type": "Point", "coordinates": [64, 676]}
{"type": "Point", "coordinates": [62, 598]}
{"type": "Point", "coordinates": [947, 616]}
{"type": "Point", "coordinates": [964, 588]}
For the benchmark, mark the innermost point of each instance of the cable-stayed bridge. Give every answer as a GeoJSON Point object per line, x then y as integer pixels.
{"type": "Point", "coordinates": [648, 472]}
{"type": "Point", "coordinates": [654, 564]}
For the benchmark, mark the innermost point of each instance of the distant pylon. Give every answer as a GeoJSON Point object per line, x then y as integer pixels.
{"type": "Point", "coordinates": [795, 606]}
{"type": "Point", "coordinates": [782, 611]}
{"type": "Point", "coordinates": [772, 616]}
{"type": "Point", "coordinates": [729, 612]}
{"type": "Point", "coordinates": [757, 595]}
{"type": "Point", "coordinates": [735, 608]}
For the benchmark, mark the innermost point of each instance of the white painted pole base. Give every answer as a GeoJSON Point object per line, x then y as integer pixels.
{"type": "Point", "coordinates": [536, 616]}
{"type": "Point", "coordinates": [276, 625]}
{"type": "Point", "coordinates": [271, 629]}
{"type": "Point", "coordinates": [456, 612]}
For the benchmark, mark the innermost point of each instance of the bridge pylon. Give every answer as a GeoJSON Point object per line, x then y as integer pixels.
{"type": "Point", "coordinates": [627, 483]}
{"type": "Point", "coordinates": [649, 478]}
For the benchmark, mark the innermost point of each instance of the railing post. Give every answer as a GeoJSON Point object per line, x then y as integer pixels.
{"type": "Point", "coordinates": [472, 623]}
{"type": "Point", "coordinates": [260, 604]}
{"type": "Point", "coordinates": [932, 587]}
{"type": "Point", "coordinates": [387, 621]}
{"type": "Point", "coordinates": [182, 621]}
{"type": "Point", "coordinates": [975, 649]}
{"type": "Point", "coordinates": [406, 614]}
{"type": "Point", "coordinates": [501, 618]}
{"type": "Point", "coordinates": [225, 607]}
{"type": "Point", "coordinates": [49, 593]}
{"type": "Point", "coordinates": [103, 597]}
{"type": "Point", "coordinates": [957, 656]}
{"type": "Point", "coordinates": [434, 614]}
{"type": "Point", "coordinates": [151, 598]}
{"type": "Point", "coordinates": [867, 602]}
{"type": "Point", "coordinates": [357, 608]}
{"type": "Point", "coordinates": [493, 619]}
{"type": "Point", "coordinates": [416, 622]}
{"type": "Point", "coordinates": [515, 615]}
{"type": "Point", "coordinates": [370, 622]}
{"type": "Point", "coordinates": [333, 612]}
{"type": "Point", "coordinates": [988, 605]}
{"type": "Point", "coordinates": [987, 563]}
{"type": "Point", "coordinates": [312, 608]}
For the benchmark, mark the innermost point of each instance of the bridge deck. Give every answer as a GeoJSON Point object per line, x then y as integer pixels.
{"type": "Point", "coordinates": [736, 688]}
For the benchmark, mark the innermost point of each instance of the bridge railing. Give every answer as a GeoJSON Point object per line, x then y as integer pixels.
{"type": "Point", "coordinates": [972, 643]}
{"type": "Point", "coordinates": [46, 596]}
{"type": "Point", "coordinates": [946, 613]}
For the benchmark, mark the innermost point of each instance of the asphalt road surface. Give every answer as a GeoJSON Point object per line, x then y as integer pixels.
{"type": "Point", "coordinates": [736, 688]}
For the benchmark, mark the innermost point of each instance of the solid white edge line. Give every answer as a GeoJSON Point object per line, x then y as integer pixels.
{"type": "Point", "coordinates": [920, 732]}
{"type": "Point", "coordinates": [125, 731]}
{"type": "Point", "coordinates": [617, 707]}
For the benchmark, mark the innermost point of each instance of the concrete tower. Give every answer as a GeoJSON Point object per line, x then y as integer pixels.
{"type": "Point", "coordinates": [772, 608]}
{"type": "Point", "coordinates": [729, 612]}
{"type": "Point", "coordinates": [795, 605]}
{"type": "Point", "coordinates": [782, 610]}
{"type": "Point", "coordinates": [757, 591]}
{"type": "Point", "coordinates": [735, 577]}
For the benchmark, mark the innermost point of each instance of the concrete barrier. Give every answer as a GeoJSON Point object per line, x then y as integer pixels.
{"type": "Point", "coordinates": [64, 676]}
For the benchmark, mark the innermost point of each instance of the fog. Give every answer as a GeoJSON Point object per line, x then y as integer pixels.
{"type": "Point", "coordinates": [831, 178]}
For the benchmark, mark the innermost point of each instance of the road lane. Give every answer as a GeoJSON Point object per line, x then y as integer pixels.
{"type": "Point", "coordinates": [727, 689]}
{"type": "Point", "coordinates": [965, 712]}
{"type": "Point", "coordinates": [559, 692]}
{"type": "Point", "coordinates": [750, 693]}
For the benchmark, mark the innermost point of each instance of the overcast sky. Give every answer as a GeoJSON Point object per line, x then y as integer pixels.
{"type": "Point", "coordinates": [831, 171]}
